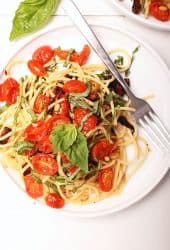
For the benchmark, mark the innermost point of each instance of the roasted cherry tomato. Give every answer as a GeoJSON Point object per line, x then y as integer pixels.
{"type": "Point", "coordinates": [44, 164]}
{"type": "Point", "coordinates": [80, 58]}
{"type": "Point", "coordinates": [89, 124]}
{"type": "Point", "coordinates": [44, 145]}
{"type": "Point", "coordinates": [84, 55]}
{"type": "Point", "coordinates": [54, 200]}
{"type": "Point", "coordinates": [105, 179]}
{"type": "Point", "coordinates": [71, 169]}
{"type": "Point", "coordinates": [63, 106]}
{"type": "Point", "coordinates": [41, 103]}
{"type": "Point", "coordinates": [102, 148]}
{"type": "Point", "coordinates": [36, 131]}
{"type": "Point", "coordinates": [43, 54]}
{"type": "Point", "coordinates": [64, 158]}
{"type": "Point", "coordinates": [74, 86]}
{"type": "Point", "coordinates": [31, 152]}
{"type": "Point", "coordinates": [33, 188]}
{"type": "Point", "coordinates": [9, 90]}
{"type": "Point", "coordinates": [36, 68]}
{"type": "Point", "coordinates": [159, 10]}
{"type": "Point", "coordinates": [57, 119]}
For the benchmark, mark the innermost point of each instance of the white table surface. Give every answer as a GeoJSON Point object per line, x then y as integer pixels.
{"type": "Point", "coordinates": [24, 226]}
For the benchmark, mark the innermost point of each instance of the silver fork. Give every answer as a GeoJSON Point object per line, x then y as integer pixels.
{"type": "Point", "coordinates": [144, 115]}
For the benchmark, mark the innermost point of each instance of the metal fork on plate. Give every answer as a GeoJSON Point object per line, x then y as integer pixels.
{"type": "Point", "coordinates": [144, 115]}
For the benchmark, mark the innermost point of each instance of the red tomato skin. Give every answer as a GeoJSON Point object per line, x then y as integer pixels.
{"type": "Point", "coordinates": [36, 68]}
{"type": "Point", "coordinates": [30, 152]}
{"type": "Point", "coordinates": [80, 57]}
{"type": "Point", "coordinates": [41, 103]}
{"type": "Point", "coordinates": [105, 179]}
{"type": "Point", "coordinates": [72, 169]}
{"type": "Point", "coordinates": [102, 148]}
{"type": "Point", "coordinates": [9, 90]}
{"type": "Point", "coordinates": [33, 188]}
{"type": "Point", "coordinates": [89, 124]}
{"type": "Point", "coordinates": [64, 158]}
{"type": "Point", "coordinates": [44, 164]}
{"type": "Point", "coordinates": [45, 145]}
{"type": "Point", "coordinates": [54, 200]}
{"type": "Point", "coordinates": [57, 119]}
{"type": "Point", "coordinates": [43, 54]}
{"type": "Point", "coordinates": [36, 131]}
{"type": "Point", "coordinates": [64, 105]}
{"type": "Point", "coordinates": [74, 86]}
{"type": "Point", "coordinates": [161, 15]}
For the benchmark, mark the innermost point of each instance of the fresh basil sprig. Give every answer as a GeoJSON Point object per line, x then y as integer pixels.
{"type": "Point", "coordinates": [31, 15]}
{"type": "Point", "coordinates": [66, 138]}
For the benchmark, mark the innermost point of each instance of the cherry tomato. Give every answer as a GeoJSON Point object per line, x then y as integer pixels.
{"type": "Point", "coordinates": [57, 119]}
{"type": "Point", "coordinates": [33, 188]}
{"type": "Point", "coordinates": [102, 148]}
{"type": "Point", "coordinates": [31, 152]}
{"type": "Point", "coordinates": [64, 158]}
{"type": "Point", "coordinates": [93, 96]}
{"type": "Point", "coordinates": [74, 86]}
{"type": "Point", "coordinates": [36, 68]}
{"type": "Point", "coordinates": [72, 169]}
{"type": "Point", "coordinates": [159, 10]}
{"type": "Point", "coordinates": [54, 200]}
{"type": "Point", "coordinates": [64, 106]}
{"type": "Point", "coordinates": [9, 90]}
{"type": "Point", "coordinates": [89, 124]}
{"type": "Point", "coordinates": [44, 145]}
{"type": "Point", "coordinates": [41, 103]}
{"type": "Point", "coordinates": [80, 58]}
{"type": "Point", "coordinates": [84, 55]}
{"type": "Point", "coordinates": [44, 164]}
{"type": "Point", "coordinates": [36, 131]}
{"type": "Point", "coordinates": [43, 54]}
{"type": "Point", "coordinates": [105, 179]}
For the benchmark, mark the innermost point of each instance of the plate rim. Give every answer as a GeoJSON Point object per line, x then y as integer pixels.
{"type": "Point", "coordinates": [139, 19]}
{"type": "Point", "coordinates": [148, 189]}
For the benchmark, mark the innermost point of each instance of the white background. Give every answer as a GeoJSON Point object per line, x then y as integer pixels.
{"type": "Point", "coordinates": [26, 226]}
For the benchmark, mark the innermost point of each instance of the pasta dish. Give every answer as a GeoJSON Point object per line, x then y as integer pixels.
{"type": "Point", "coordinates": [67, 127]}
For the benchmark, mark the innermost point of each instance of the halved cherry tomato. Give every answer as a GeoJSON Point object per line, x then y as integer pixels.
{"type": "Point", "coordinates": [33, 188]}
{"type": "Point", "coordinates": [80, 58]}
{"type": "Point", "coordinates": [44, 145]}
{"type": "Point", "coordinates": [64, 158]}
{"type": "Point", "coordinates": [44, 164]}
{"type": "Point", "coordinates": [43, 54]}
{"type": "Point", "coordinates": [64, 105]}
{"type": "Point", "coordinates": [74, 86]}
{"type": "Point", "coordinates": [41, 103]}
{"type": "Point", "coordinates": [159, 10]}
{"type": "Point", "coordinates": [9, 90]}
{"type": "Point", "coordinates": [54, 200]}
{"type": "Point", "coordinates": [83, 55]}
{"type": "Point", "coordinates": [31, 152]}
{"type": "Point", "coordinates": [102, 148]}
{"type": "Point", "coordinates": [89, 124]}
{"type": "Point", "coordinates": [36, 68]}
{"type": "Point", "coordinates": [71, 169]}
{"type": "Point", "coordinates": [36, 131]}
{"type": "Point", "coordinates": [57, 119]}
{"type": "Point", "coordinates": [105, 179]}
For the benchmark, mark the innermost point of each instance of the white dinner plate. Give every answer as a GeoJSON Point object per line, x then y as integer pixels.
{"type": "Point", "coordinates": [126, 5]}
{"type": "Point", "coordinates": [149, 75]}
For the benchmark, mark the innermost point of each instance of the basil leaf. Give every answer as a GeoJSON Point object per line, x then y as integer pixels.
{"type": "Point", "coordinates": [62, 137]}
{"type": "Point", "coordinates": [66, 138]}
{"type": "Point", "coordinates": [31, 15]}
{"type": "Point", "coordinates": [21, 146]}
{"type": "Point", "coordinates": [78, 152]}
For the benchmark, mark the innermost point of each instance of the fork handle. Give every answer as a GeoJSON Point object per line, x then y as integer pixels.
{"type": "Point", "coordinates": [78, 19]}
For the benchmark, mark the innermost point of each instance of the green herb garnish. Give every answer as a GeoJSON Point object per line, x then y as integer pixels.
{"type": "Point", "coordinates": [21, 146]}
